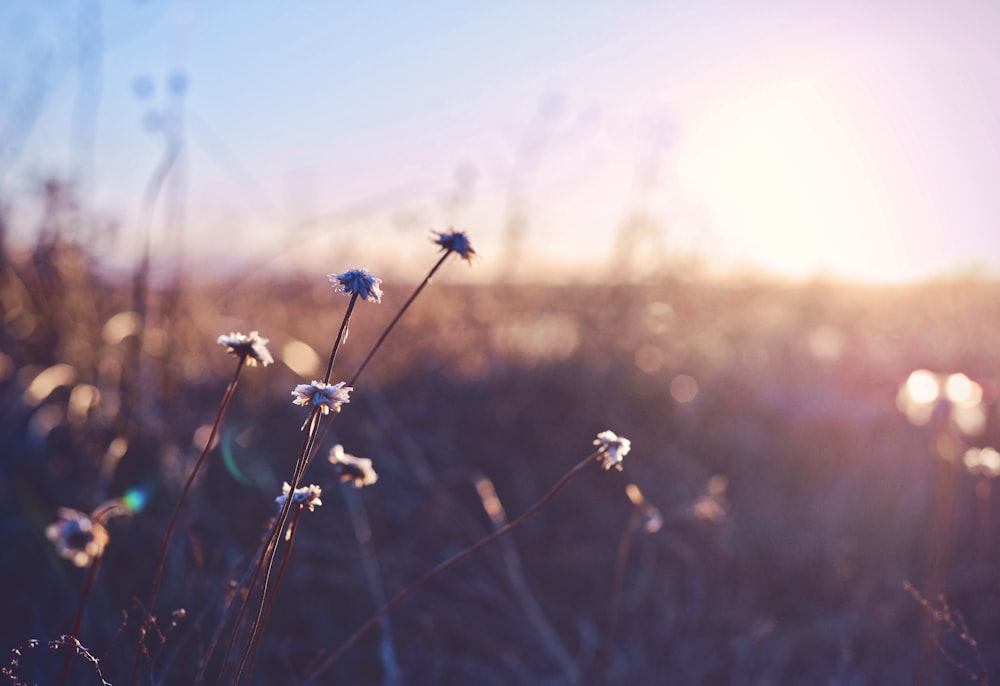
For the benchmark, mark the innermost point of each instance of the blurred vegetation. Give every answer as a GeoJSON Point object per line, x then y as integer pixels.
{"type": "Point", "coordinates": [796, 498]}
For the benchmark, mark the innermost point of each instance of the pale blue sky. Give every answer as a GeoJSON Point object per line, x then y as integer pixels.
{"type": "Point", "coordinates": [854, 138]}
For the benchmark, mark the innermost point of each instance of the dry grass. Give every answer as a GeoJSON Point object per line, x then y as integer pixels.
{"type": "Point", "coordinates": [793, 572]}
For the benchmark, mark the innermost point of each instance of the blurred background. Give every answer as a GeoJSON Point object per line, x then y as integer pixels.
{"type": "Point", "coordinates": [759, 239]}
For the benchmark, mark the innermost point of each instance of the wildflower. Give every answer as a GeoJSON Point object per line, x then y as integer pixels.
{"type": "Point", "coordinates": [355, 470]}
{"type": "Point", "coordinates": [77, 537]}
{"type": "Point", "coordinates": [306, 496]}
{"type": "Point", "coordinates": [612, 448]}
{"type": "Point", "coordinates": [358, 282]}
{"type": "Point", "coordinates": [249, 347]}
{"type": "Point", "coordinates": [328, 398]}
{"type": "Point", "coordinates": [456, 241]}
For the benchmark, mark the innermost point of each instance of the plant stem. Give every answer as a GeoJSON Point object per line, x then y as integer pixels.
{"type": "Point", "coordinates": [233, 597]}
{"type": "Point", "coordinates": [306, 457]}
{"type": "Point", "coordinates": [617, 583]}
{"type": "Point", "coordinates": [341, 337]}
{"type": "Point", "coordinates": [395, 320]}
{"type": "Point", "coordinates": [88, 584]}
{"type": "Point", "coordinates": [382, 337]}
{"type": "Point", "coordinates": [293, 527]}
{"type": "Point", "coordinates": [266, 559]}
{"type": "Point", "coordinates": [448, 564]}
{"type": "Point", "coordinates": [161, 563]}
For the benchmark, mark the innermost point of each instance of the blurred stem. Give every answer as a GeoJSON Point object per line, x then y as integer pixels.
{"type": "Point", "coordinates": [448, 564]}
{"type": "Point", "coordinates": [234, 595]}
{"type": "Point", "coordinates": [88, 584]}
{"type": "Point", "coordinates": [391, 674]}
{"type": "Point", "coordinates": [161, 562]}
{"type": "Point", "coordinates": [515, 574]}
{"type": "Point", "coordinates": [617, 583]}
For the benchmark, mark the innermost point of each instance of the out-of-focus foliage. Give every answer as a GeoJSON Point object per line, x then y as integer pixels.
{"type": "Point", "coordinates": [794, 497]}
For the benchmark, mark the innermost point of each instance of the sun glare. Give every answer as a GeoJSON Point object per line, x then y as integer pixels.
{"type": "Point", "coordinates": [792, 168]}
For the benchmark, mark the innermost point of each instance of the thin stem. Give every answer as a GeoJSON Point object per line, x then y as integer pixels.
{"type": "Point", "coordinates": [305, 459]}
{"type": "Point", "coordinates": [448, 564]}
{"type": "Point", "coordinates": [88, 584]}
{"type": "Point", "coordinates": [391, 674]}
{"type": "Point", "coordinates": [395, 320]}
{"type": "Point", "coordinates": [381, 339]}
{"type": "Point", "coordinates": [341, 337]}
{"type": "Point", "coordinates": [293, 527]}
{"type": "Point", "coordinates": [161, 562]}
{"type": "Point", "coordinates": [236, 592]}
{"type": "Point", "coordinates": [617, 582]}
{"type": "Point", "coordinates": [265, 561]}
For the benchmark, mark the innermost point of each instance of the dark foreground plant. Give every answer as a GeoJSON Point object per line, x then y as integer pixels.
{"type": "Point", "coordinates": [611, 449]}
{"type": "Point", "coordinates": [325, 399]}
{"type": "Point", "coordinates": [249, 350]}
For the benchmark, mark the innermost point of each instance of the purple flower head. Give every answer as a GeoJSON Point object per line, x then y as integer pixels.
{"type": "Point", "coordinates": [358, 282]}
{"type": "Point", "coordinates": [457, 242]}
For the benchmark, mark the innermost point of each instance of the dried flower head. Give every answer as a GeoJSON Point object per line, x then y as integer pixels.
{"type": "Point", "coordinates": [354, 470]}
{"type": "Point", "coordinates": [306, 496]}
{"type": "Point", "coordinates": [456, 241]}
{"type": "Point", "coordinates": [77, 537]}
{"type": "Point", "coordinates": [327, 397]}
{"type": "Point", "coordinates": [612, 448]}
{"type": "Point", "coordinates": [358, 282]}
{"type": "Point", "coordinates": [249, 347]}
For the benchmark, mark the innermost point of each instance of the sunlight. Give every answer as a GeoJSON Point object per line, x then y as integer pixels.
{"type": "Point", "coordinates": [795, 169]}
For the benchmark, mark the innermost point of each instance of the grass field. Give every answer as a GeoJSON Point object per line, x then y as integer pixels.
{"type": "Point", "coordinates": [787, 499]}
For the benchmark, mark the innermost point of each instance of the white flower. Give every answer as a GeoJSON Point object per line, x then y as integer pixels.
{"type": "Point", "coordinates": [456, 241]}
{"type": "Point", "coordinates": [77, 537]}
{"type": "Point", "coordinates": [306, 496]}
{"type": "Point", "coordinates": [250, 347]}
{"type": "Point", "coordinates": [328, 398]}
{"type": "Point", "coordinates": [358, 282]}
{"type": "Point", "coordinates": [355, 470]}
{"type": "Point", "coordinates": [612, 448]}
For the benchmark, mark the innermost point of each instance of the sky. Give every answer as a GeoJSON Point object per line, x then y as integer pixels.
{"type": "Point", "coordinates": [854, 139]}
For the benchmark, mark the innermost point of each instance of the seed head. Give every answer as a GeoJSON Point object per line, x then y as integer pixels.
{"type": "Point", "coordinates": [611, 449]}
{"type": "Point", "coordinates": [358, 282]}
{"type": "Point", "coordinates": [357, 471]}
{"type": "Point", "coordinates": [456, 241]}
{"type": "Point", "coordinates": [77, 537]}
{"type": "Point", "coordinates": [250, 347]}
{"type": "Point", "coordinates": [306, 496]}
{"type": "Point", "coordinates": [328, 398]}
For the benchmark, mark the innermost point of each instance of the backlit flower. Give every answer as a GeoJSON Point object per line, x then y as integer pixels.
{"type": "Point", "coordinates": [77, 537]}
{"type": "Point", "coordinates": [250, 347]}
{"type": "Point", "coordinates": [328, 398]}
{"type": "Point", "coordinates": [456, 241]}
{"type": "Point", "coordinates": [354, 470]}
{"type": "Point", "coordinates": [612, 448]}
{"type": "Point", "coordinates": [306, 496]}
{"type": "Point", "coordinates": [358, 282]}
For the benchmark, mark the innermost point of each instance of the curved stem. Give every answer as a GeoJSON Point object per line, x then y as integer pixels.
{"type": "Point", "coordinates": [161, 562]}
{"type": "Point", "coordinates": [448, 564]}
